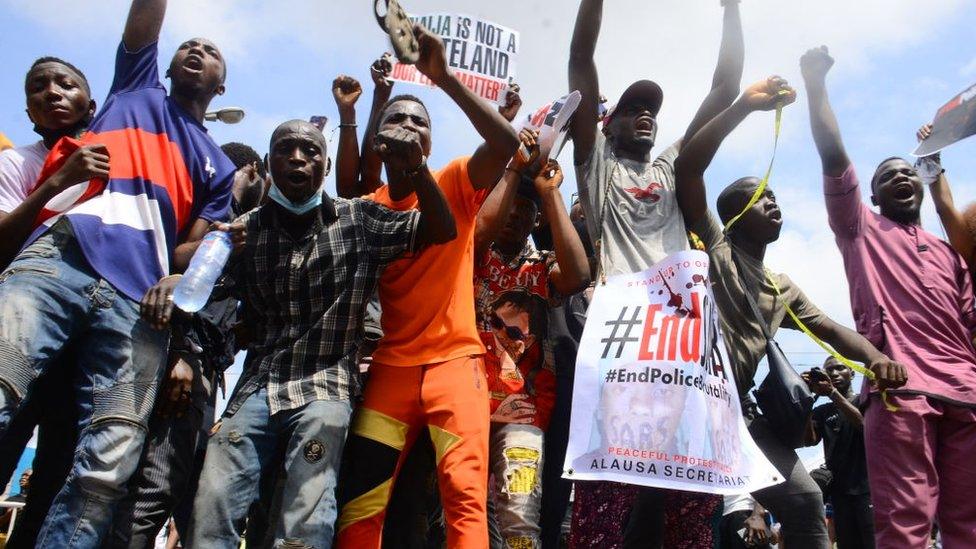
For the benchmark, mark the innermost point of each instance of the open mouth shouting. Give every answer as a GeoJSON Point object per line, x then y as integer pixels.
{"type": "Point", "coordinates": [193, 64]}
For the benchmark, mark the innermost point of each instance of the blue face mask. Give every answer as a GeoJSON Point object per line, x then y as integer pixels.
{"type": "Point", "coordinates": [296, 208]}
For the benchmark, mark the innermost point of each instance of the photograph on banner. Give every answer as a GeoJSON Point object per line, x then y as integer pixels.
{"type": "Point", "coordinates": [552, 122]}
{"type": "Point", "coordinates": [482, 54]}
{"type": "Point", "coordinates": [654, 401]}
{"type": "Point", "coordinates": [955, 121]}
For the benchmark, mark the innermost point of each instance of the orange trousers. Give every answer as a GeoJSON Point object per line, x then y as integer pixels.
{"type": "Point", "coordinates": [451, 400]}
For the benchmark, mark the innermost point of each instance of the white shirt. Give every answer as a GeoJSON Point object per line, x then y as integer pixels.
{"type": "Point", "coordinates": [19, 169]}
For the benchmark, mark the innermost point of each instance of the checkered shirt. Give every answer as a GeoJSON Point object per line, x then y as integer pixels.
{"type": "Point", "coordinates": [304, 300]}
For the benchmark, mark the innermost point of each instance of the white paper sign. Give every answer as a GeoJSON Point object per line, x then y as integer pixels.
{"type": "Point", "coordinates": [482, 54]}
{"type": "Point", "coordinates": [552, 122]}
{"type": "Point", "coordinates": [654, 401]}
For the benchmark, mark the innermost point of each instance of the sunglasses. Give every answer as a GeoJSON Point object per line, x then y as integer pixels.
{"type": "Point", "coordinates": [513, 332]}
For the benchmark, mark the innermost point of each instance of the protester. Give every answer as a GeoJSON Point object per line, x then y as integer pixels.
{"type": "Point", "coordinates": [960, 227]}
{"type": "Point", "coordinates": [643, 226]}
{"type": "Point", "coordinates": [59, 104]}
{"type": "Point", "coordinates": [21, 497]}
{"type": "Point", "coordinates": [84, 270]}
{"type": "Point", "coordinates": [840, 425]}
{"type": "Point", "coordinates": [201, 347]}
{"type": "Point", "coordinates": [516, 287]}
{"type": "Point", "coordinates": [737, 275]}
{"type": "Point", "coordinates": [428, 371]}
{"type": "Point", "coordinates": [300, 374]}
{"type": "Point", "coordinates": [912, 297]}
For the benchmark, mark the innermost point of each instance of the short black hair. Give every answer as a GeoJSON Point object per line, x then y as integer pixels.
{"type": "Point", "coordinates": [397, 99]}
{"type": "Point", "coordinates": [877, 171]}
{"type": "Point", "coordinates": [58, 60]}
{"type": "Point", "coordinates": [728, 204]}
{"type": "Point", "coordinates": [242, 155]}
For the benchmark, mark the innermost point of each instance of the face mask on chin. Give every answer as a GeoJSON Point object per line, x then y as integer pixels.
{"type": "Point", "coordinates": [299, 208]}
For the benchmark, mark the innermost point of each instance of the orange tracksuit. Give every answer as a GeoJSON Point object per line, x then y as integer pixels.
{"type": "Point", "coordinates": [427, 372]}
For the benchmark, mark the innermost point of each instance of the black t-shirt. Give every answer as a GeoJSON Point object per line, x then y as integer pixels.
{"type": "Point", "coordinates": [844, 450]}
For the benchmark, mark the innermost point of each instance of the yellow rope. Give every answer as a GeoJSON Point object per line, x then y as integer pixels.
{"type": "Point", "coordinates": [765, 180]}
{"type": "Point", "coordinates": [830, 350]}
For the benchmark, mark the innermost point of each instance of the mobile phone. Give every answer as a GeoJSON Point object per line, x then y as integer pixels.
{"type": "Point", "coordinates": [816, 374]}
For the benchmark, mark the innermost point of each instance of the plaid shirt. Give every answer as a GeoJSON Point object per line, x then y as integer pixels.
{"type": "Point", "coordinates": [304, 300]}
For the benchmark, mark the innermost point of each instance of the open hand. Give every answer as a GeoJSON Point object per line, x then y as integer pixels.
{"type": "Point", "coordinates": [767, 94]}
{"type": "Point", "coordinates": [816, 63]}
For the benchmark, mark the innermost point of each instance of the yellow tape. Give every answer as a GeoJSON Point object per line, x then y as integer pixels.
{"type": "Point", "coordinates": [765, 180]}
{"type": "Point", "coordinates": [830, 350]}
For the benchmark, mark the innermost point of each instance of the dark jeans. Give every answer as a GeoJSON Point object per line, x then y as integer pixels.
{"type": "Point", "coordinates": [729, 537]}
{"type": "Point", "coordinates": [166, 480]}
{"type": "Point", "coordinates": [853, 521]}
{"type": "Point", "coordinates": [796, 503]}
{"type": "Point", "coordinates": [51, 407]}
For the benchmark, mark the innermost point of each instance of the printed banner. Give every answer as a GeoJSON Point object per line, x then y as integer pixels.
{"type": "Point", "coordinates": [481, 53]}
{"type": "Point", "coordinates": [955, 121]}
{"type": "Point", "coordinates": [654, 402]}
{"type": "Point", "coordinates": [552, 122]}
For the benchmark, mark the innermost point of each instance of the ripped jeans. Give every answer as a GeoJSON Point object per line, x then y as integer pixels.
{"type": "Point", "coordinates": [515, 458]}
{"type": "Point", "coordinates": [50, 296]}
{"type": "Point", "coordinates": [244, 445]}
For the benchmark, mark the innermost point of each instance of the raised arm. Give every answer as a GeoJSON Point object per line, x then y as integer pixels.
{"type": "Point", "coordinates": [583, 77]}
{"type": "Point", "coordinates": [699, 151]}
{"type": "Point", "coordinates": [346, 91]}
{"type": "Point", "coordinates": [490, 158]}
{"type": "Point", "coordinates": [728, 72]}
{"type": "Point", "coordinates": [930, 170]}
{"type": "Point", "coordinates": [572, 271]}
{"type": "Point", "coordinates": [495, 209]}
{"type": "Point", "coordinates": [814, 65]}
{"type": "Point", "coordinates": [370, 165]}
{"type": "Point", "coordinates": [144, 22]}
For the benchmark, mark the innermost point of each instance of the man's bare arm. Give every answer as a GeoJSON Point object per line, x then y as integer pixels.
{"type": "Point", "coordinates": [583, 77]}
{"type": "Point", "coordinates": [823, 123]}
{"type": "Point", "coordinates": [144, 23]}
{"type": "Point", "coordinates": [728, 71]}
{"type": "Point", "coordinates": [346, 91]}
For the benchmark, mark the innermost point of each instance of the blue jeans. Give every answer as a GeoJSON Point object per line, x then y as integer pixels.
{"type": "Point", "coordinates": [49, 297]}
{"type": "Point", "coordinates": [244, 445]}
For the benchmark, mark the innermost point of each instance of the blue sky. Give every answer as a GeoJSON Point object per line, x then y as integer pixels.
{"type": "Point", "coordinates": [897, 62]}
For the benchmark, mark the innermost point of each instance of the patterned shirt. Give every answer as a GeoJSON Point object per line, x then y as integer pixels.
{"type": "Point", "coordinates": [517, 294]}
{"type": "Point", "coordinates": [305, 299]}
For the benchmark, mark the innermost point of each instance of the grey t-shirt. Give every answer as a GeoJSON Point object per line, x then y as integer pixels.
{"type": "Point", "coordinates": [642, 224]}
{"type": "Point", "coordinates": [743, 336]}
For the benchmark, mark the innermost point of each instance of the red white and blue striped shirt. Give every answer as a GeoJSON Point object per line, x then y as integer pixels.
{"type": "Point", "coordinates": [165, 172]}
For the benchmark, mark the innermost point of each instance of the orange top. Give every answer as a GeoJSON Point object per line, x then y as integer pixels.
{"type": "Point", "coordinates": [428, 297]}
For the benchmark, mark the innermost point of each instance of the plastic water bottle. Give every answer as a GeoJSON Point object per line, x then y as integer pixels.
{"type": "Point", "coordinates": [193, 290]}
